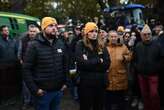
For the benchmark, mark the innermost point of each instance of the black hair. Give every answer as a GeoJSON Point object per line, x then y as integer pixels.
{"type": "Point", "coordinates": [1, 27]}
{"type": "Point", "coordinates": [32, 26]}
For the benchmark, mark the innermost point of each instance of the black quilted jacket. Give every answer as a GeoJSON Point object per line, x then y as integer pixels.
{"type": "Point", "coordinates": [45, 64]}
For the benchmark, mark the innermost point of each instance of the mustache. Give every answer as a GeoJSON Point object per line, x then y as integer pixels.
{"type": "Point", "coordinates": [50, 35]}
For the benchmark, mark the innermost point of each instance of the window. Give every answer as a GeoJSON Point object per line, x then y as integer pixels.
{"type": "Point", "coordinates": [12, 23]}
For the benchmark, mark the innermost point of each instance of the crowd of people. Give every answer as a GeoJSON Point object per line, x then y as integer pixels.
{"type": "Point", "coordinates": [102, 69]}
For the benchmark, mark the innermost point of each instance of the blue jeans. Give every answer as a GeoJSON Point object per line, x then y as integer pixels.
{"type": "Point", "coordinates": [49, 101]}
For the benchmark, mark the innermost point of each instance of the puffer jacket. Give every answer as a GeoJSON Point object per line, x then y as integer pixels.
{"type": "Point", "coordinates": [45, 64]}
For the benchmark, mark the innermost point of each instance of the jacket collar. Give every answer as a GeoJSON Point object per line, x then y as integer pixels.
{"type": "Point", "coordinates": [7, 39]}
{"type": "Point", "coordinates": [40, 37]}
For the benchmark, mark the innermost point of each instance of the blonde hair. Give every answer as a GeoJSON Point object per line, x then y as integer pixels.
{"type": "Point", "coordinates": [101, 41]}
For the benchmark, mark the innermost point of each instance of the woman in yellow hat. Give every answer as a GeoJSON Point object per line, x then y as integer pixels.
{"type": "Point", "coordinates": [92, 64]}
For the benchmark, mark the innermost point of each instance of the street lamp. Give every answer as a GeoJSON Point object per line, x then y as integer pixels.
{"type": "Point", "coordinates": [124, 1]}
{"type": "Point", "coordinates": [54, 4]}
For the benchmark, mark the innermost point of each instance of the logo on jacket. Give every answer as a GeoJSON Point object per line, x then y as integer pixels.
{"type": "Point", "coordinates": [59, 50]}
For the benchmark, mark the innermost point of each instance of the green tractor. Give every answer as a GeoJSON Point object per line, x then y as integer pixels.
{"type": "Point", "coordinates": [18, 23]}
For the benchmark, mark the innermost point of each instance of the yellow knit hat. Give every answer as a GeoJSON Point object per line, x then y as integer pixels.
{"type": "Point", "coordinates": [47, 21]}
{"type": "Point", "coordinates": [89, 27]}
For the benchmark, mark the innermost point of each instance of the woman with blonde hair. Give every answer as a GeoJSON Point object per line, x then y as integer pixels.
{"type": "Point", "coordinates": [117, 75]}
{"type": "Point", "coordinates": [92, 64]}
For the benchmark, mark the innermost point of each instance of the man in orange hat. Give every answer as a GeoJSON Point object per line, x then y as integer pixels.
{"type": "Point", "coordinates": [45, 66]}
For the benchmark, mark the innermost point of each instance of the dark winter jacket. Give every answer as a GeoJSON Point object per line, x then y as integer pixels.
{"type": "Point", "coordinates": [45, 64]}
{"type": "Point", "coordinates": [72, 50]}
{"type": "Point", "coordinates": [23, 46]}
{"type": "Point", "coordinates": [161, 42]}
{"type": "Point", "coordinates": [8, 51]}
{"type": "Point", "coordinates": [147, 58]}
{"type": "Point", "coordinates": [92, 71]}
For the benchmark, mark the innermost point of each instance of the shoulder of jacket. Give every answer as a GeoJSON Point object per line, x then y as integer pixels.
{"type": "Point", "coordinates": [60, 42]}
{"type": "Point", "coordinates": [24, 38]}
{"type": "Point", "coordinates": [33, 43]}
{"type": "Point", "coordinates": [80, 43]}
{"type": "Point", "coordinates": [139, 44]}
{"type": "Point", "coordinates": [124, 46]}
{"type": "Point", "coordinates": [157, 43]}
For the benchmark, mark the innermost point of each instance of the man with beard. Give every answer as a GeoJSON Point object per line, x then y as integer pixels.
{"type": "Point", "coordinates": [45, 66]}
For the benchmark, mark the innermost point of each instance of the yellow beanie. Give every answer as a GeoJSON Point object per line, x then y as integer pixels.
{"type": "Point", "coordinates": [47, 21]}
{"type": "Point", "coordinates": [89, 27]}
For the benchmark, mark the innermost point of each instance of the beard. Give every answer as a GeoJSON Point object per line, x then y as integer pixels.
{"type": "Point", "coordinates": [50, 35]}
